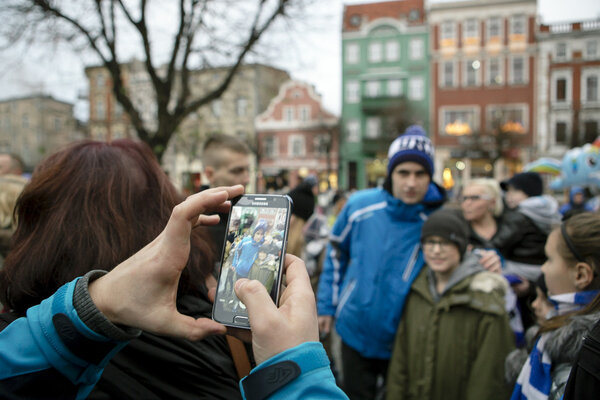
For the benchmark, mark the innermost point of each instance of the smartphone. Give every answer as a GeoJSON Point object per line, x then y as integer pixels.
{"type": "Point", "coordinates": [254, 248]}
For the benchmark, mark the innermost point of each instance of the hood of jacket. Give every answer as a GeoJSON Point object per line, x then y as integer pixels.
{"type": "Point", "coordinates": [563, 344]}
{"type": "Point", "coordinates": [470, 284]}
{"type": "Point", "coordinates": [542, 210]}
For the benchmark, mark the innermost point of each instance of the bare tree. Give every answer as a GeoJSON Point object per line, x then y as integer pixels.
{"type": "Point", "coordinates": [205, 33]}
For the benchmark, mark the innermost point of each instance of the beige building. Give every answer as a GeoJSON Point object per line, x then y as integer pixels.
{"type": "Point", "coordinates": [233, 113]}
{"type": "Point", "coordinates": [35, 126]}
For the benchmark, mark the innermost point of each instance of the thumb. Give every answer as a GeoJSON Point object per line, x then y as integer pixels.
{"type": "Point", "coordinates": [259, 304]}
{"type": "Point", "coordinates": [194, 329]}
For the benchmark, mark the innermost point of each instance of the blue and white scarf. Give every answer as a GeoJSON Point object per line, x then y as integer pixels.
{"type": "Point", "coordinates": [535, 379]}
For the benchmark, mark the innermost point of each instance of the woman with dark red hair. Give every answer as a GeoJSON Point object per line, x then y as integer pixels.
{"type": "Point", "coordinates": [91, 206]}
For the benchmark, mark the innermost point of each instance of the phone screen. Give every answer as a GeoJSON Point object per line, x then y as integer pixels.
{"type": "Point", "coordinates": [254, 248]}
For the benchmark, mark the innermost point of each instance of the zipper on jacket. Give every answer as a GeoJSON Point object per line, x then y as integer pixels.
{"type": "Point", "coordinates": [345, 295]}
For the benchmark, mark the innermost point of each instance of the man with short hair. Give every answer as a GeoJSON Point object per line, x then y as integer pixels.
{"type": "Point", "coordinates": [11, 164]}
{"type": "Point", "coordinates": [372, 259]}
{"type": "Point", "coordinates": [226, 161]}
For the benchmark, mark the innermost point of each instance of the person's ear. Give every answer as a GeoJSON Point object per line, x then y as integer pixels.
{"type": "Point", "coordinates": [209, 172]}
{"type": "Point", "coordinates": [584, 275]}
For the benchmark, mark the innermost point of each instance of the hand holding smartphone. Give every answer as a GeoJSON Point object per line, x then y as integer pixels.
{"type": "Point", "coordinates": [254, 248]}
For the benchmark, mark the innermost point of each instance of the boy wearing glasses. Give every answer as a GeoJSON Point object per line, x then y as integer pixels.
{"type": "Point", "coordinates": [454, 335]}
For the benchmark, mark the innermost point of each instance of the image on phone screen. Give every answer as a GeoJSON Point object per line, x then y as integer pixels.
{"type": "Point", "coordinates": [254, 249]}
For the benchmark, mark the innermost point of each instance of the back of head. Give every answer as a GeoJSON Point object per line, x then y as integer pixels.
{"type": "Point", "coordinates": [303, 198]}
{"type": "Point", "coordinates": [216, 143]}
{"type": "Point", "coordinates": [529, 183]}
{"type": "Point", "coordinates": [449, 225]}
{"type": "Point", "coordinates": [89, 206]}
{"type": "Point", "coordinates": [11, 163]}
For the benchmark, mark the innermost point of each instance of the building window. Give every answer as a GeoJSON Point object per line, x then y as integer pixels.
{"type": "Point", "coordinates": [495, 72]}
{"type": "Point", "coordinates": [392, 50]}
{"type": "Point", "coordinates": [448, 30]}
{"type": "Point", "coordinates": [57, 124]}
{"type": "Point", "coordinates": [561, 89]}
{"type": "Point", "coordinates": [447, 74]}
{"type": "Point", "coordinates": [270, 146]}
{"type": "Point", "coordinates": [471, 27]}
{"type": "Point", "coordinates": [241, 105]}
{"type": "Point", "coordinates": [416, 49]}
{"type": "Point", "coordinates": [352, 92]}
{"type": "Point", "coordinates": [296, 146]}
{"type": "Point", "coordinates": [372, 88]}
{"type": "Point", "coordinates": [591, 49]}
{"type": "Point", "coordinates": [25, 121]}
{"type": "Point", "coordinates": [353, 131]}
{"type": "Point", "coordinates": [494, 29]}
{"type": "Point", "coordinates": [472, 68]}
{"type": "Point", "coordinates": [352, 53]}
{"type": "Point", "coordinates": [394, 87]}
{"type": "Point", "coordinates": [416, 88]}
{"type": "Point", "coordinates": [373, 127]}
{"type": "Point", "coordinates": [590, 131]}
{"type": "Point", "coordinates": [459, 121]}
{"type": "Point", "coordinates": [215, 107]}
{"type": "Point", "coordinates": [100, 81]}
{"type": "Point", "coordinates": [560, 133]}
{"type": "Point", "coordinates": [517, 25]}
{"type": "Point", "coordinates": [591, 88]}
{"type": "Point", "coordinates": [321, 144]}
{"type": "Point", "coordinates": [100, 110]}
{"type": "Point", "coordinates": [375, 52]}
{"type": "Point", "coordinates": [288, 113]}
{"type": "Point", "coordinates": [508, 118]}
{"type": "Point", "coordinates": [561, 51]}
{"type": "Point", "coordinates": [518, 75]}
{"type": "Point", "coordinates": [304, 113]}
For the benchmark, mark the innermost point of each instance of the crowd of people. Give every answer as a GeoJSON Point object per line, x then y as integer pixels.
{"type": "Point", "coordinates": [109, 277]}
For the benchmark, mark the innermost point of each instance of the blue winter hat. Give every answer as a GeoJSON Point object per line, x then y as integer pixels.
{"type": "Point", "coordinates": [413, 145]}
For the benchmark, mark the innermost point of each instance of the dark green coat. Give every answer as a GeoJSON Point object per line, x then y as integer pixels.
{"type": "Point", "coordinates": [452, 347]}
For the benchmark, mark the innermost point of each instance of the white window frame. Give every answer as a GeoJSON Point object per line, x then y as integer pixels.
{"type": "Point", "coordinates": [561, 51]}
{"type": "Point", "coordinates": [100, 108]}
{"type": "Point", "coordinates": [567, 130]}
{"type": "Point", "coordinates": [585, 74]}
{"type": "Point", "coordinates": [394, 87]}
{"type": "Point", "coordinates": [373, 127]}
{"type": "Point", "coordinates": [511, 72]}
{"type": "Point", "coordinates": [304, 113]}
{"type": "Point", "coordinates": [489, 81]}
{"type": "Point", "coordinates": [567, 75]}
{"type": "Point", "coordinates": [375, 52]}
{"type": "Point", "coordinates": [392, 50]}
{"type": "Point", "coordinates": [468, 64]}
{"type": "Point", "coordinates": [353, 131]}
{"type": "Point", "coordinates": [372, 88]}
{"type": "Point", "coordinates": [589, 55]}
{"type": "Point", "coordinates": [299, 140]}
{"type": "Point", "coordinates": [352, 53]}
{"type": "Point", "coordinates": [416, 88]}
{"type": "Point", "coordinates": [442, 74]}
{"type": "Point", "coordinates": [475, 33]}
{"type": "Point", "coordinates": [448, 30]}
{"type": "Point", "coordinates": [287, 113]}
{"type": "Point", "coordinates": [523, 107]}
{"type": "Point", "coordinates": [459, 109]}
{"type": "Point", "coordinates": [514, 21]}
{"type": "Point", "coordinates": [271, 146]}
{"type": "Point", "coordinates": [488, 28]}
{"type": "Point", "coordinates": [352, 92]}
{"type": "Point", "coordinates": [241, 106]}
{"type": "Point", "coordinates": [416, 48]}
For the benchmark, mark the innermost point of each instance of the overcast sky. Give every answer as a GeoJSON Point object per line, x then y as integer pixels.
{"type": "Point", "coordinates": [314, 56]}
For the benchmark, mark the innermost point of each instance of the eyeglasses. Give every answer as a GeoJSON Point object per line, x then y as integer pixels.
{"type": "Point", "coordinates": [429, 244]}
{"type": "Point", "coordinates": [475, 197]}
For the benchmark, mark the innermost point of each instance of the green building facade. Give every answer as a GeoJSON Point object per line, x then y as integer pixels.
{"type": "Point", "coordinates": [385, 87]}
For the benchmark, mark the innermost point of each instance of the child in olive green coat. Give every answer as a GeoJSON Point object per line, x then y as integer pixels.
{"type": "Point", "coordinates": [454, 334]}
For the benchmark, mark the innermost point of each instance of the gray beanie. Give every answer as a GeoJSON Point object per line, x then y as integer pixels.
{"type": "Point", "coordinates": [448, 225]}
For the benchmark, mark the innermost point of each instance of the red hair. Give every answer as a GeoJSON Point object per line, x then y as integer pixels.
{"type": "Point", "coordinates": [91, 206]}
